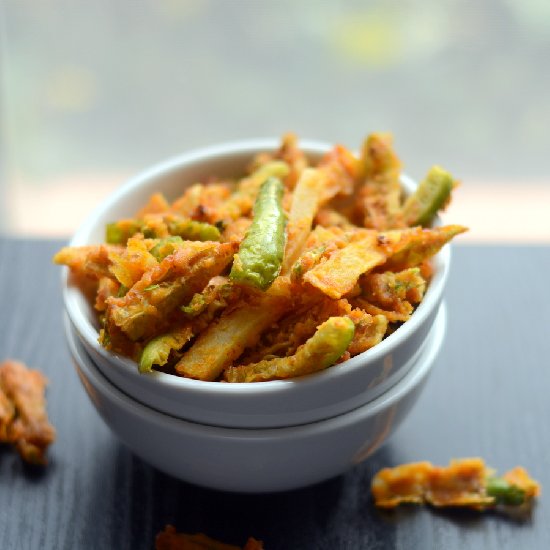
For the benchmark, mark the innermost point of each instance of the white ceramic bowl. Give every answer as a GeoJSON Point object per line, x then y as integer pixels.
{"type": "Point", "coordinates": [278, 403]}
{"type": "Point", "coordinates": [254, 460]}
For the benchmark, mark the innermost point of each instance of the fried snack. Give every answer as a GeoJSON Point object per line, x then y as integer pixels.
{"type": "Point", "coordinates": [305, 202]}
{"type": "Point", "coordinates": [411, 247]}
{"type": "Point", "coordinates": [144, 310]}
{"type": "Point", "coordinates": [160, 226]}
{"type": "Point", "coordinates": [241, 202]}
{"type": "Point", "coordinates": [238, 275]}
{"type": "Point", "coordinates": [380, 195]}
{"type": "Point", "coordinates": [224, 340]}
{"type": "Point", "coordinates": [429, 198]}
{"type": "Point", "coordinates": [23, 417]}
{"type": "Point", "coordinates": [340, 272]}
{"type": "Point", "coordinates": [390, 294]}
{"type": "Point", "coordinates": [322, 350]}
{"type": "Point", "coordinates": [465, 483]}
{"type": "Point", "coordinates": [260, 254]}
{"type": "Point", "coordinates": [170, 539]}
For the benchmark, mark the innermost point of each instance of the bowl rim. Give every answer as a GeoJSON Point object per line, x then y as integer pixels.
{"type": "Point", "coordinates": [178, 163]}
{"type": "Point", "coordinates": [390, 398]}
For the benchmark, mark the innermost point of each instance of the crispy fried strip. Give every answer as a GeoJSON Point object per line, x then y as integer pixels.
{"type": "Point", "coordinates": [305, 202]}
{"type": "Point", "coordinates": [260, 255]}
{"type": "Point", "coordinates": [380, 195]}
{"type": "Point", "coordinates": [223, 341]}
{"type": "Point", "coordinates": [200, 202]}
{"type": "Point", "coordinates": [157, 351]}
{"type": "Point", "coordinates": [170, 539]}
{"type": "Point", "coordinates": [342, 169]}
{"type": "Point", "coordinates": [322, 350]}
{"type": "Point", "coordinates": [88, 261]}
{"type": "Point", "coordinates": [200, 312]}
{"type": "Point", "coordinates": [410, 247]}
{"type": "Point", "coordinates": [240, 203]}
{"type": "Point", "coordinates": [296, 327]}
{"type": "Point", "coordinates": [142, 312]}
{"type": "Point", "coordinates": [391, 294]}
{"type": "Point", "coordinates": [465, 482]}
{"type": "Point", "coordinates": [7, 413]}
{"type": "Point", "coordinates": [160, 226]}
{"type": "Point", "coordinates": [369, 331]}
{"type": "Point", "coordinates": [28, 428]}
{"type": "Point", "coordinates": [129, 264]}
{"type": "Point", "coordinates": [340, 272]}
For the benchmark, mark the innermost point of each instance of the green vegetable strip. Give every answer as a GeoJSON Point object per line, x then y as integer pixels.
{"type": "Point", "coordinates": [431, 196]}
{"type": "Point", "coordinates": [322, 350]}
{"type": "Point", "coordinates": [504, 492]}
{"type": "Point", "coordinates": [157, 351]}
{"type": "Point", "coordinates": [189, 230]}
{"type": "Point", "coordinates": [260, 255]}
{"type": "Point", "coordinates": [119, 232]}
{"type": "Point", "coordinates": [165, 247]}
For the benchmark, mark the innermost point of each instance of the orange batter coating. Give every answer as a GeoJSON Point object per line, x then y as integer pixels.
{"type": "Point", "coordinates": [465, 483]}
{"type": "Point", "coordinates": [170, 539]}
{"type": "Point", "coordinates": [334, 235]}
{"type": "Point", "coordinates": [23, 417]}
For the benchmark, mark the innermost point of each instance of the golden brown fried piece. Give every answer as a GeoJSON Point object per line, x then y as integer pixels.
{"type": "Point", "coordinates": [379, 202]}
{"type": "Point", "coordinates": [291, 153]}
{"type": "Point", "coordinates": [391, 294]}
{"type": "Point", "coordinates": [466, 483]}
{"type": "Point", "coordinates": [348, 252]}
{"type": "Point", "coordinates": [7, 412]}
{"type": "Point", "coordinates": [170, 539]}
{"type": "Point", "coordinates": [342, 170]}
{"type": "Point", "coordinates": [296, 327]}
{"type": "Point", "coordinates": [369, 331]}
{"type": "Point", "coordinates": [338, 274]}
{"type": "Point", "coordinates": [23, 418]}
{"type": "Point", "coordinates": [143, 312]}
{"type": "Point", "coordinates": [224, 340]}
{"type": "Point", "coordinates": [87, 261]}
{"type": "Point", "coordinates": [200, 202]}
{"type": "Point", "coordinates": [411, 247]}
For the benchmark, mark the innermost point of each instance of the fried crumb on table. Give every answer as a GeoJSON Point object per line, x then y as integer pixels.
{"type": "Point", "coordinates": [466, 483]}
{"type": "Point", "coordinates": [170, 539]}
{"type": "Point", "coordinates": [23, 417]}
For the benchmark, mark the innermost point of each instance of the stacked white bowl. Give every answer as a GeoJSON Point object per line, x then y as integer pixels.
{"type": "Point", "coordinates": [258, 437]}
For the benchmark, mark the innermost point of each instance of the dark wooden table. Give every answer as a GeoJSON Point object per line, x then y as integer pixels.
{"type": "Point", "coordinates": [489, 396]}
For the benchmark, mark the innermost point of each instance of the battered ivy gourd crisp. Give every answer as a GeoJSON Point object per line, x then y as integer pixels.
{"type": "Point", "coordinates": [286, 269]}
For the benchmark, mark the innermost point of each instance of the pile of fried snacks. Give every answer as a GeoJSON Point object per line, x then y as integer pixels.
{"type": "Point", "coordinates": [464, 483]}
{"type": "Point", "coordinates": [23, 417]}
{"type": "Point", "coordinates": [170, 539]}
{"type": "Point", "coordinates": [283, 271]}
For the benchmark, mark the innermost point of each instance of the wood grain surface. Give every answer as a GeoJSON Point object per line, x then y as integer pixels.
{"type": "Point", "coordinates": [489, 395]}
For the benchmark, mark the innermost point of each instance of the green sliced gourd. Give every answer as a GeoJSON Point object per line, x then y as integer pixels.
{"type": "Point", "coordinates": [260, 255]}
{"type": "Point", "coordinates": [321, 351]}
{"type": "Point", "coordinates": [191, 230]}
{"type": "Point", "coordinates": [431, 195]}
{"type": "Point", "coordinates": [158, 350]}
{"type": "Point", "coordinates": [119, 232]}
{"type": "Point", "coordinates": [165, 247]}
{"type": "Point", "coordinates": [504, 493]}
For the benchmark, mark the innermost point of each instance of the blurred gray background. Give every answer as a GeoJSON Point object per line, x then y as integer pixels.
{"type": "Point", "coordinates": [94, 91]}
